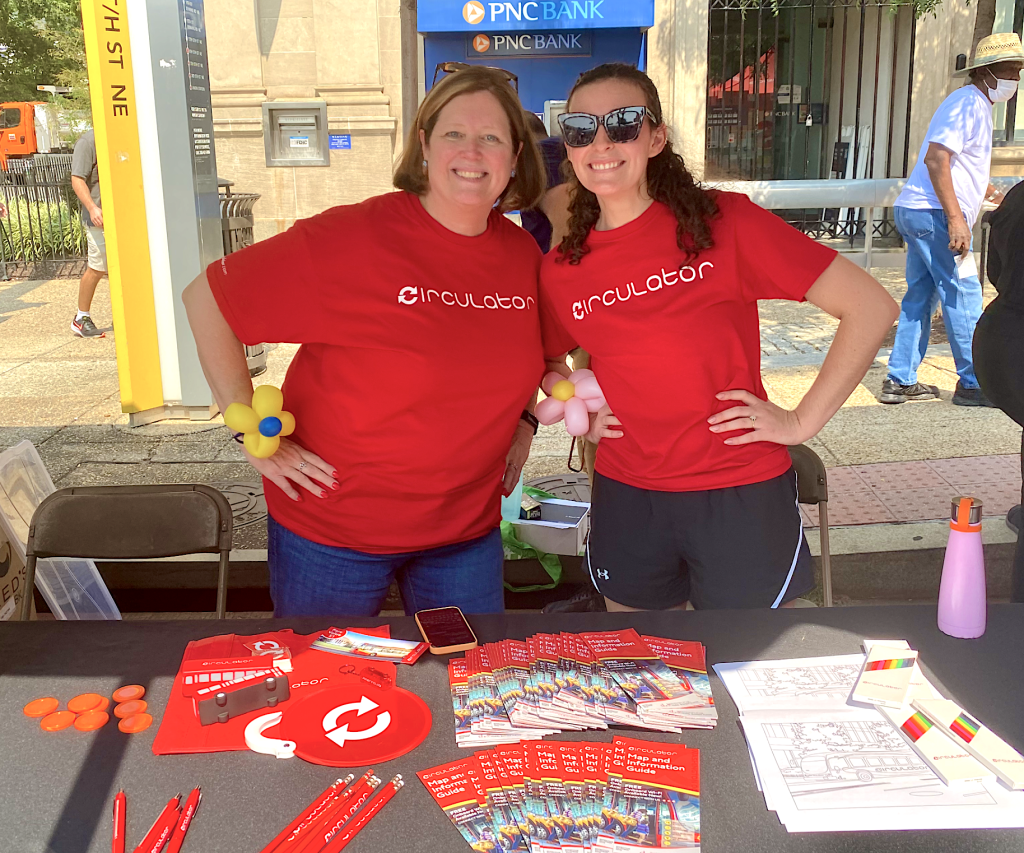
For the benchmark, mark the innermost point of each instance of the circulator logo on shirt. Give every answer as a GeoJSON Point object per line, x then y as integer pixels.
{"type": "Point", "coordinates": [473, 12]}
{"type": "Point", "coordinates": [491, 301]}
{"type": "Point", "coordinates": [582, 308]}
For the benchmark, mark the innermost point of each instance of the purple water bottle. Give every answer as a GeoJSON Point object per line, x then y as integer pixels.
{"type": "Point", "coordinates": [962, 602]}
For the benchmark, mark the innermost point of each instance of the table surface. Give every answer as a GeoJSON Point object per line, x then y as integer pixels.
{"type": "Point", "coordinates": [58, 789]}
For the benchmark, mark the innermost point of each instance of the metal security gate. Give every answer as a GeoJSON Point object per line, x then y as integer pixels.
{"type": "Point", "coordinates": [810, 90]}
{"type": "Point", "coordinates": [41, 231]}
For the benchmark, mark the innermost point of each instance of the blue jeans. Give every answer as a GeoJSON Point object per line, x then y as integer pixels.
{"type": "Point", "coordinates": [310, 579]}
{"type": "Point", "coordinates": [932, 277]}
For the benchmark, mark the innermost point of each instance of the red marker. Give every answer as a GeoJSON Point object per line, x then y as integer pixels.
{"type": "Point", "coordinates": [351, 829]}
{"type": "Point", "coordinates": [169, 813]}
{"type": "Point", "coordinates": [120, 808]}
{"type": "Point", "coordinates": [314, 810]}
{"type": "Point", "coordinates": [187, 813]}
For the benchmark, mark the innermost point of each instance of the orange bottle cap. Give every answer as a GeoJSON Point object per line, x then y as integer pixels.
{"type": "Point", "coordinates": [57, 721]}
{"type": "Point", "coordinates": [41, 707]}
{"type": "Point", "coordinates": [129, 692]}
{"type": "Point", "coordinates": [136, 723]}
{"type": "Point", "coordinates": [91, 720]}
{"type": "Point", "coordinates": [85, 702]}
{"type": "Point", "coordinates": [129, 709]}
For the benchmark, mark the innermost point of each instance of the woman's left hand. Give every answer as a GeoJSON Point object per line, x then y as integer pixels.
{"type": "Point", "coordinates": [518, 453]}
{"type": "Point", "coordinates": [763, 420]}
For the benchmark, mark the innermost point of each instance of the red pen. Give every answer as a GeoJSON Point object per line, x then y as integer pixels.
{"type": "Point", "coordinates": [170, 812]}
{"type": "Point", "coordinates": [188, 811]}
{"type": "Point", "coordinates": [351, 829]}
{"type": "Point", "coordinates": [312, 816]}
{"type": "Point", "coordinates": [165, 832]}
{"type": "Point", "coordinates": [120, 807]}
{"type": "Point", "coordinates": [327, 796]}
{"type": "Point", "coordinates": [343, 809]}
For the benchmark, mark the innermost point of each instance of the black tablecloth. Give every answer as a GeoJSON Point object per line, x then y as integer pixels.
{"type": "Point", "coordinates": [56, 790]}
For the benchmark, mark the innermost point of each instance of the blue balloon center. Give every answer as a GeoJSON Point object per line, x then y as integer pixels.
{"type": "Point", "coordinates": [270, 426]}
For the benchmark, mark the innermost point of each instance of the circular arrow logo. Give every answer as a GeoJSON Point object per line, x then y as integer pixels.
{"type": "Point", "coordinates": [473, 12]}
{"type": "Point", "coordinates": [355, 725]}
{"type": "Point", "coordinates": [481, 44]}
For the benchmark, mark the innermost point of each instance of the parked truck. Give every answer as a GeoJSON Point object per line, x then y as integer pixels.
{"type": "Point", "coordinates": [29, 128]}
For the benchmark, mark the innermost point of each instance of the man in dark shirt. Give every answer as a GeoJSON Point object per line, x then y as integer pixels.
{"type": "Point", "coordinates": [85, 181]}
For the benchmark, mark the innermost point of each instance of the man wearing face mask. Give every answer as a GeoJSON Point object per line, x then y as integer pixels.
{"type": "Point", "coordinates": [936, 212]}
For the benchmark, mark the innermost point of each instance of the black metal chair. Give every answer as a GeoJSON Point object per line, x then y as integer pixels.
{"type": "Point", "coordinates": [130, 523]}
{"type": "Point", "coordinates": [812, 488]}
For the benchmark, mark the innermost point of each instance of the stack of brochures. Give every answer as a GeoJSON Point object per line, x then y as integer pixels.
{"type": "Point", "coordinates": [516, 690]}
{"type": "Point", "coordinates": [856, 742]}
{"type": "Point", "coordinates": [603, 797]}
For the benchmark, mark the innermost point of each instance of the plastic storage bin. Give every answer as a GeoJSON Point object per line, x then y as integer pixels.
{"type": "Point", "coordinates": [72, 588]}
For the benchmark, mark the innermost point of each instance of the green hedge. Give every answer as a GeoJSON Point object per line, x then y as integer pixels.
{"type": "Point", "coordinates": [37, 230]}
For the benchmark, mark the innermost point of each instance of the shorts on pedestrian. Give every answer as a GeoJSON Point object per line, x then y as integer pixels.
{"type": "Point", "coordinates": [311, 579]}
{"type": "Point", "coordinates": [739, 547]}
{"type": "Point", "coordinates": [97, 248]}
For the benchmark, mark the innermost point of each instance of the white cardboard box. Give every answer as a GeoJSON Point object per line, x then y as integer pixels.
{"type": "Point", "coordinates": [563, 527]}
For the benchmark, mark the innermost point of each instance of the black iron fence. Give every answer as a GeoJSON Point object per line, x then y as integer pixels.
{"type": "Point", "coordinates": [41, 230]}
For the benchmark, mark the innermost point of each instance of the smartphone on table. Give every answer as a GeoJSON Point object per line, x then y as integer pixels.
{"type": "Point", "coordinates": [445, 630]}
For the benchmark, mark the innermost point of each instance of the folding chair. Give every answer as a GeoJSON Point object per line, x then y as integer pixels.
{"type": "Point", "coordinates": [130, 523]}
{"type": "Point", "coordinates": [812, 488]}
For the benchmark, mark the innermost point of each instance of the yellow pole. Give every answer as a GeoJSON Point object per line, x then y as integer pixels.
{"type": "Point", "coordinates": [112, 90]}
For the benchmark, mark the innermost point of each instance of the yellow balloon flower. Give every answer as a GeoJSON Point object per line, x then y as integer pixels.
{"type": "Point", "coordinates": [264, 423]}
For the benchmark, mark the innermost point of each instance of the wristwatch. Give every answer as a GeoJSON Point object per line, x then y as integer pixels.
{"type": "Point", "coordinates": [531, 419]}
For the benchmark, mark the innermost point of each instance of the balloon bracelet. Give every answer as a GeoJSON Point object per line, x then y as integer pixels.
{"type": "Point", "coordinates": [572, 399]}
{"type": "Point", "coordinates": [263, 424]}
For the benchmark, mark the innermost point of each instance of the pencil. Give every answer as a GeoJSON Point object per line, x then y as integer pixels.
{"type": "Point", "coordinates": [352, 828]}
{"type": "Point", "coordinates": [336, 818]}
{"type": "Point", "coordinates": [120, 808]}
{"type": "Point", "coordinates": [188, 811]}
{"type": "Point", "coordinates": [316, 810]}
{"type": "Point", "coordinates": [158, 825]}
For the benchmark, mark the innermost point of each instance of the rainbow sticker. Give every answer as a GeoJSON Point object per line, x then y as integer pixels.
{"type": "Point", "coordinates": [964, 727]}
{"type": "Point", "coordinates": [916, 726]}
{"type": "Point", "coordinates": [897, 663]}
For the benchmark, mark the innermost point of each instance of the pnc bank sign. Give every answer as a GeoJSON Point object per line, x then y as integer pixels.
{"type": "Point", "coordinates": [439, 16]}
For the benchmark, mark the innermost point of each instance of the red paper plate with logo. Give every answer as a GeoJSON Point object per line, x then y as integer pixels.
{"type": "Point", "coordinates": [355, 725]}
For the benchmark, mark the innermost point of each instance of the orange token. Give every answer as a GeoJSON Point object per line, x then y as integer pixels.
{"type": "Point", "coordinates": [129, 709]}
{"type": "Point", "coordinates": [129, 692]}
{"type": "Point", "coordinates": [136, 723]}
{"type": "Point", "coordinates": [91, 720]}
{"type": "Point", "coordinates": [104, 705]}
{"type": "Point", "coordinates": [57, 721]}
{"type": "Point", "coordinates": [41, 707]}
{"type": "Point", "coordinates": [85, 702]}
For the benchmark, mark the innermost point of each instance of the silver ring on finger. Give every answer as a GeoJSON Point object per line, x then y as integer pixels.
{"type": "Point", "coordinates": [302, 466]}
{"type": "Point", "coordinates": [753, 420]}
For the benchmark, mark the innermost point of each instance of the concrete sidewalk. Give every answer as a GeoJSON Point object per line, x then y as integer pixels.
{"type": "Point", "coordinates": [890, 467]}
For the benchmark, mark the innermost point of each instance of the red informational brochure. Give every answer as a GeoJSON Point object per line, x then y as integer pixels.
{"type": "Point", "coordinates": [312, 671]}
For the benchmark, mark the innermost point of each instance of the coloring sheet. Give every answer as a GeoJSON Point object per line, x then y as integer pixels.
{"type": "Point", "coordinates": [808, 683]}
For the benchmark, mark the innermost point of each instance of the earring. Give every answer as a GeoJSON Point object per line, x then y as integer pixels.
{"type": "Point", "coordinates": [513, 173]}
{"type": "Point", "coordinates": [424, 165]}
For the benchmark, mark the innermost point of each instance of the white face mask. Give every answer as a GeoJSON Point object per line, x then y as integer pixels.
{"type": "Point", "coordinates": [1004, 90]}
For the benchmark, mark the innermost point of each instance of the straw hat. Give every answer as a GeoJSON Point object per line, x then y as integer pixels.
{"type": "Point", "coordinates": [998, 47]}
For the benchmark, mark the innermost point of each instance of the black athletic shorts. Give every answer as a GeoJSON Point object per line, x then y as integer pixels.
{"type": "Point", "coordinates": [721, 548]}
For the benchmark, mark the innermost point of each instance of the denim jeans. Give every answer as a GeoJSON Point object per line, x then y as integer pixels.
{"type": "Point", "coordinates": [932, 277]}
{"type": "Point", "coordinates": [310, 579]}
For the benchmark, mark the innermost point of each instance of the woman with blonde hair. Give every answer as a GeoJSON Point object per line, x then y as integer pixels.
{"type": "Point", "coordinates": [402, 447]}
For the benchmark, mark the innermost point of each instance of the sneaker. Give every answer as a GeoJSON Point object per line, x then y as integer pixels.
{"type": "Point", "coordinates": [86, 328]}
{"type": "Point", "coordinates": [1013, 519]}
{"type": "Point", "coordinates": [587, 600]}
{"type": "Point", "coordinates": [893, 392]}
{"type": "Point", "coordinates": [970, 397]}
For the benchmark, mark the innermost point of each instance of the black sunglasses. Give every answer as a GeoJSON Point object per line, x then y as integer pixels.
{"type": "Point", "coordinates": [452, 67]}
{"type": "Point", "coordinates": [621, 125]}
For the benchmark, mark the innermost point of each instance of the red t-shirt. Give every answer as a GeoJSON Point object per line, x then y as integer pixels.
{"type": "Point", "coordinates": [420, 348]}
{"type": "Point", "coordinates": [665, 336]}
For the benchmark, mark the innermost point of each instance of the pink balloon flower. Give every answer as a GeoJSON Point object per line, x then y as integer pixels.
{"type": "Point", "coordinates": [573, 399]}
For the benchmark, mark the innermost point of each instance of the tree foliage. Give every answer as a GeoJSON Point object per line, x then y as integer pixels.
{"type": "Point", "coordinates": [29, 34]}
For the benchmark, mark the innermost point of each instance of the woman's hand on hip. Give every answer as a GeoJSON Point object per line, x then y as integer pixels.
{"type": "Point", "coordinates": [293, 466]}
{"type": "Point", "coordinates": [518, 453]}
{"type": "Point", "coordinates": [603, 425]}
{"type": "Point", "coordinates": [763, 420]}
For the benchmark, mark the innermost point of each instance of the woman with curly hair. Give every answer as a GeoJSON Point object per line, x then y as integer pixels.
{"type": "Point", "coordinates": [658, 279]}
